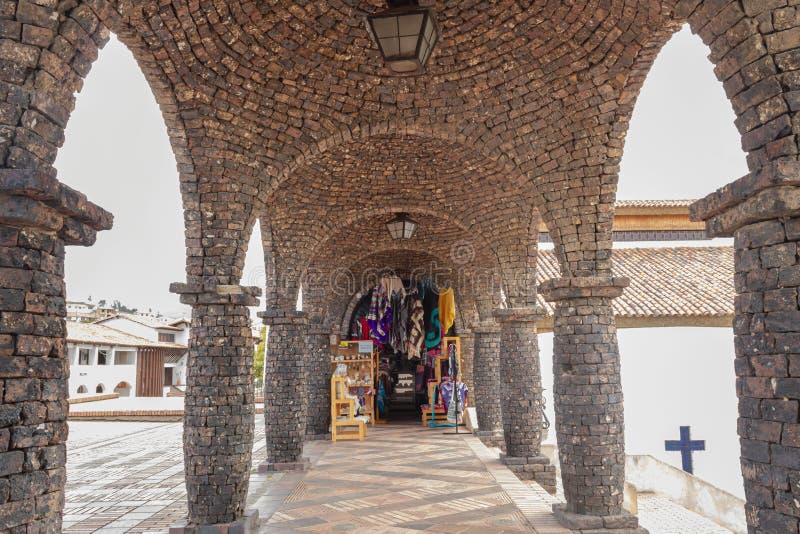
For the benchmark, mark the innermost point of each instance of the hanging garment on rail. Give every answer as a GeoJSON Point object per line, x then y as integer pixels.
{"type": "Point", "coordinates": [452, 359]}
{"type": "Point", "coordinates": [447, 309]}
{"type": "Point", "coordinates": [380, 315]}
{"type": "Point", "coordinates": [397, 331]}
{"type": "Point", "coordinates": [430, 303]}
{"type": "Point", "coordinates": [454, 409]}
{"type": "Point", "coordinates": [416, 327]}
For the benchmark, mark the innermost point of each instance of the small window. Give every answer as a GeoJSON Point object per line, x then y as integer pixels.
{"type": "Point", "coordinates": [102, 357]}
{"type": "Point", "coordinates": [83, 357]}
{"type": "Point", "coordinates": [166, 338]}
{"type": "Point", "coordinates": [100, 388]}
{"type": "Point", "coordinates": [82, 389]}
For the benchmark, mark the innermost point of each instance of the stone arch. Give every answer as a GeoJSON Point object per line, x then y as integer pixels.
{"type": "Point", "coordinates": [339, 306]}
{"type": "Point", "coordinates": [474, 140]}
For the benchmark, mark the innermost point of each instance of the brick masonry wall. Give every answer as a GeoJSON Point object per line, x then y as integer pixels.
{"type": "Point", "coordinates": [219, 405]}
{"type": "Point", "coordinates": [486, 375]}
{"type": "Point", "coordinates": [468, 361]}
{"type": "Point", "coordinates": [318, 382]}
{"type": "Point", "coordinates": [33, 380]}
{"type": "Point", "coordinates": [767, 329]}
{"type": "Point", "coordinates": [521, 397]}
{"type": "Point", "coordinates": [588, 397]}
{"type": "Point", "coordinates": [285, 396]}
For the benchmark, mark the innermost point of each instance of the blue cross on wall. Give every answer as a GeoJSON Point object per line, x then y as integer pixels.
{"type": "Point", "coordinates": [686, 446]}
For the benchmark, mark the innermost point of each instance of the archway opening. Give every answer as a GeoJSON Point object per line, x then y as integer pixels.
{"type": "Point", "coordinates": [123, 388]}
{"type": "Point", "coordinates": [682, 143]}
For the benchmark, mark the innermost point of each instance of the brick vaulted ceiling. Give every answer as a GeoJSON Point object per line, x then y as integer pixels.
{"type": "Point", "coordinates": [283, 112]}
{"type": "Point", "coordinates": [294, 99]}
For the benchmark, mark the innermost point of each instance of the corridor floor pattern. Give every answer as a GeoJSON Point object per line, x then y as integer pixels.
{"type": "Point", "coordinates": [128, 477]}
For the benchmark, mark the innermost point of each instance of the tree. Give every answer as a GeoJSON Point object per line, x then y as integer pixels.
{"type": "Point", "coordinates": [258, 357]}
{"type": "Point", "coordinates": [102, 303]}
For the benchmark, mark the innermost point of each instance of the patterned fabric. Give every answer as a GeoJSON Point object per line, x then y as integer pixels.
{"type": "Point", "coordinates": [380, 315]}
{"type": "Point", "coordinates": [416, 327]}
{"type": "Point", "coordinates": [446, 392]}
{"type": "Point", "coordinates": [430, 305]}
{"type": "Point", "coordinates": [399, 322]}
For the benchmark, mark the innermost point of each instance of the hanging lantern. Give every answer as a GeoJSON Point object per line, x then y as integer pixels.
{"type": "Point", "coordinates": [402, 227]}
{"type": "Point", "coordinates": [405, 34]}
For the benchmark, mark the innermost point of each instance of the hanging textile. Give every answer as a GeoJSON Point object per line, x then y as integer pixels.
{"type": "Point", "coordinates": [452, 359]}
{"type": "Point", "coordinates": [397, 333]}
{"type": "Point", "coordinates": [447, 309]}
{"type": "Point", "coordinates": [364, 329]}
{"type": "Point", "coordinates": [430, 304]}
{"type": "Point", "coordinates": [380, 315]}
{"type": "Point", "coordinates": [454, 409]}
{"type": "Point", "coordinates": [416, 326]}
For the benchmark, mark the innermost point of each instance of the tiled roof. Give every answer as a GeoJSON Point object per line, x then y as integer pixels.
{"type": "Point", "coordinates": [142, 320]}
{"type": "Point", "coordinates": [653, 203]}
{"type": "Point", "coordinates": [676, 282]}
{"type": "Point", "coordinates": [98, 334]}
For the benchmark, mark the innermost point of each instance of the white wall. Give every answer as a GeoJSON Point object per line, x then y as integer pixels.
{"type": "Point", "coordinates": [91, 375]}
{"type": "Point", "coordinates": [673, 377]}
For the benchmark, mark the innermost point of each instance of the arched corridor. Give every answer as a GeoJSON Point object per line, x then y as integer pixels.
{"type": "Point", "coordinates": [286, 113]}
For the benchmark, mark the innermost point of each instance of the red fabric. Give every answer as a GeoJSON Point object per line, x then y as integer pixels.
{"type": "Point", "coordinates": [364, 329]}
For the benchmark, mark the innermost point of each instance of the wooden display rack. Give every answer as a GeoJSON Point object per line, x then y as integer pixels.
{"type": "Point", "coordinates": [343, 422]}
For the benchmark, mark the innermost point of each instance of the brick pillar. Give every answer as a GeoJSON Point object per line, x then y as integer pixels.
{"type": "Point", "coordinates": [285, 401]}
{"type": "Point", "coordinates": [588, 403]}
{"type": "Point", "coordinates": [219, 409]}
{"type": "Point", "coordinates": [318, 382]}
{"type": "Point", "coordinates": [763, 216]}
{"type": "Point", "coordinates": [521, 377]}
{"type": "Point", "coordinates": [486, 376]}
{"type": "Point", "coordinates": [467, 357]}
{"type": "Point", "coordinates": [38, 217]}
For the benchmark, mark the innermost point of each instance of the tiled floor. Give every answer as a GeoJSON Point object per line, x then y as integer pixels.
{"type": "Point", "coordinates": [128, 477]}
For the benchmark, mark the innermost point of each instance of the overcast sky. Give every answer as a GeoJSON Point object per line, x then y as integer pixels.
{"type": "Point", "coordinates": [682, 144]}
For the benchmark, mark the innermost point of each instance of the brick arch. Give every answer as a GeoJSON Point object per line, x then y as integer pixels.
{"type": "Point", "coordinates": [436, 236]}
{"type": "Point", "coordinates": [472, 137]}
{"type": "Point", "coordinates": [339, 307]}
{"type": "Point", "coordinates": [438, 179]}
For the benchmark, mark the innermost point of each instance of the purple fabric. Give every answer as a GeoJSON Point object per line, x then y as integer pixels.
{"type": "Point", "coordinates": [380, 315]}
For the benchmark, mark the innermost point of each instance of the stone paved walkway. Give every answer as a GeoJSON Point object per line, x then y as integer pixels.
{"type": "Point", "coordinates": [128, 477]}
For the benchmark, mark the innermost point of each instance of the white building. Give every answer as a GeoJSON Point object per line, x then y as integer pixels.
{"type": "Point", "coordinates": [152, 329]}
{"type": "Point", "coordinates": [105, 360]}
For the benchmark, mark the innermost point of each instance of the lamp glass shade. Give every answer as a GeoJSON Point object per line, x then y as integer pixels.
{"type": "Point", "coordinates": [401, 227]}
{"type": "Point", "coordinates": [405, 36]}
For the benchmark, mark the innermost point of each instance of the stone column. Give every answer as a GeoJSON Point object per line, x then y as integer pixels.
{"type": "Point", "coordinates": [219, 409]}
{"type": "Point", "coordinates": [588, 404]}
{"type": "Point", "coordinates": [38, 217]}
{"type": "Point", "coordinates": [521, 377]}
{"type": "Point", "coordinates": [486, 376]}
{"type": "Point", "coordinates": [318, 382]}
{"type": "Point", "coordinates": [762, 212]}
{"type": "Point", "coordinates": [285, 402]}
{"type": "Point", "coordinates": [467, 357]}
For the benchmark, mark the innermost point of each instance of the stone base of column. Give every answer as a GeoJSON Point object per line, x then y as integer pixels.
{"type": "Point", "coordinates": [318, 437]}
{"type": "Point", "coordinates": [624, 523]}
{"type": "Point", "coordinates": [248, 524]}
{"type": "Point", "coordinates": [280, 467]}
{"type": "Point", "coordinates": [491, 438]}
{"type": "Point", "coordinates": [536, 468]}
